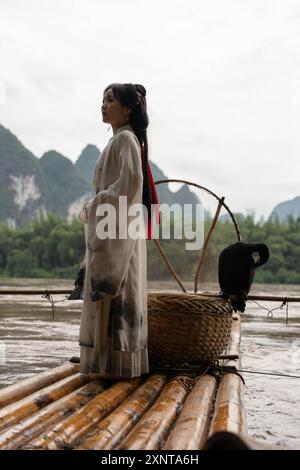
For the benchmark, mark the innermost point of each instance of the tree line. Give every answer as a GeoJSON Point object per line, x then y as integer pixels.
{"type": "Point", "coordinates": [51, 247]}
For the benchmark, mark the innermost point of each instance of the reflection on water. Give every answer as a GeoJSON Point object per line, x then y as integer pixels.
{"type": "Point", "coordinates": [31, 341]}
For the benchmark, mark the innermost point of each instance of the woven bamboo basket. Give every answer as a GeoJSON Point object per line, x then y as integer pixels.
{"type": "Point", "coordinates": [187, 328]}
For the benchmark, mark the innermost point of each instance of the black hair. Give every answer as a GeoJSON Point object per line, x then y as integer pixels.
{"type": "Point", "coordinates": [134, 96]}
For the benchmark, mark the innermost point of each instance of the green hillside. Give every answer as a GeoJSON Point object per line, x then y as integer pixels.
{"type": "Point", "coordinates": [66, 182]}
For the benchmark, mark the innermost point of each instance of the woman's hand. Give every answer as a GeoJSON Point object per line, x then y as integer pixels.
{"type": "Point", "coordinates": [96, 293]}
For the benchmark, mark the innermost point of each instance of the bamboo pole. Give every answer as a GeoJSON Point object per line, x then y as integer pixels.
{"type": "Point", "coordinates": [73, 428]}
{"type": "Point", "coordinates": [15, 412]}
{"type": "Point", "coordinates": [233, 348]}
{"type": "Point", "coordinates": [114, 428]}
{"type": "Point", "coordinates": [169, 265]}
{"type": "Point", "coordinates": [18, 435]}
{"type": "Point", "coordinates": [154, 426]}
{"type": "Point", "coordinates": [191, 428]}
{"type": "Point", "coordinates": [229, 414]}
{"type": "Point", "coordinates": [274, 298]}
{"type": "Point", "coordinates": [271, 298]}
{"type": "Point", "coordinates": [267, 298]}
{"type": "Point", "coordinates": [34, 291]}
{"type": "Point", "coordinates": [15, 392]}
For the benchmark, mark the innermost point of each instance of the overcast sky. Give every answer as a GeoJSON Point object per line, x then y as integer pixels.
{"type": "Point", "coordinates": [222, 80]}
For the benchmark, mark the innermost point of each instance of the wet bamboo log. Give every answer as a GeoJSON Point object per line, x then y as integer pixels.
{"type": "Point", "coordinates": [73, 428]}
{"type": "Point", "coordinates": [18, 435]}
{"type": "Point", "coordinates": [229, 414]}
{"type": "Point", "coordinates": [26, 387]}
{"type": "Point", "coordinates": [191, 429]}
{"type": "Point", "coordinates": [155, 425]}
{"type": "Point", "coordinates": [15, 412]}
{"type": "Point", "coordinates": [116, 426]}
{"type": "Point", "coordinates": [233, 348]}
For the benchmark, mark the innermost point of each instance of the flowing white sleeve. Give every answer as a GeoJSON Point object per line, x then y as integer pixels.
{"type": "Point", "coordinates": [109, 258]}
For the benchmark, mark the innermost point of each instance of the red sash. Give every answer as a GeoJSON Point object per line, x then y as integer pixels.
{"type": "Point", "coordinates": [154, 200]}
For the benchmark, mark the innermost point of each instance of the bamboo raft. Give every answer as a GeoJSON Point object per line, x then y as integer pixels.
{"type": "Point", "coordinates": [63, 409]}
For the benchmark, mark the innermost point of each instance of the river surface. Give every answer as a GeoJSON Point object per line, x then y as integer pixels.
{"type": "Point", "coordinates": [32, 341]}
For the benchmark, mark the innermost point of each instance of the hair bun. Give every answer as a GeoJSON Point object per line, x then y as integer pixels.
{"type": "Point", "coordinates": [141, 89]}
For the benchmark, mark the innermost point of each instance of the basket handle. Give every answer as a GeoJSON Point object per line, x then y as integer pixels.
{"type": "Point", "coordinates": [221, 201]}
{"type": "Point", "coordinates": [169, 266]}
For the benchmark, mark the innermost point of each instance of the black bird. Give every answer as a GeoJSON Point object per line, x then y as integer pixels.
{"type": "Point", "coordinates": [237, 265]}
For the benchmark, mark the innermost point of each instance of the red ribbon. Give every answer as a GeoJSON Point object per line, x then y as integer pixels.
{"type": "Point", "coordinates": [154, 200]}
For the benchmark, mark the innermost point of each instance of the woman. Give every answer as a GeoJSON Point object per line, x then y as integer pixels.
{"type": "Point", "coordinates": [113, 329]}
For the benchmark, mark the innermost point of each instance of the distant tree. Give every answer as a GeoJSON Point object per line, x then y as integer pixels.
{"type": "Point", "coordinates": [53, 247]}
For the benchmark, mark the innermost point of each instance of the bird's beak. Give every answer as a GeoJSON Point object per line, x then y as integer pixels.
{"type": "Point", "coordinates": [255, 257]}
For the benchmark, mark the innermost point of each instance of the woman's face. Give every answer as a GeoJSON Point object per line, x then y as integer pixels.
{"type": "Point", "coordinates": [112, 110]}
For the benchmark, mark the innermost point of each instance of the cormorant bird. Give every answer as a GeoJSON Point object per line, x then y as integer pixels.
{"type": "Point", "coordinates": [237, 265]}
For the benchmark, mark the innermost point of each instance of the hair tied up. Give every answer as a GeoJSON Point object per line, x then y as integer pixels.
{"type": "Point", "coordinates": [140, 89]}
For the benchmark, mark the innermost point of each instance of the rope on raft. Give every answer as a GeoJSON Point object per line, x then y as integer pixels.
{"type": "Point", "coordinates": [285, 303]}
{"type": "Point", "coordinates": [218, 370]}
{"type": "Point", "coordinates": [49, 297]}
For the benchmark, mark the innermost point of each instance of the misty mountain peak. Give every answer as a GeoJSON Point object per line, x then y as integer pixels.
{"type": "Point", "coordinates": [86, 161]}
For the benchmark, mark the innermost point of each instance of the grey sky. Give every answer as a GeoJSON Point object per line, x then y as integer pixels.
{"type": "Point", "coordinates": [222, 79]}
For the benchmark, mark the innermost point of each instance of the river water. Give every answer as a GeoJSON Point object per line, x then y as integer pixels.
{"type": "Point", "coordinates": [32, 341]}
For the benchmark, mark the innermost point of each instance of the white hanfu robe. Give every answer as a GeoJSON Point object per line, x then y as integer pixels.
{"type": "Point", "coordinates": [113, 331]}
